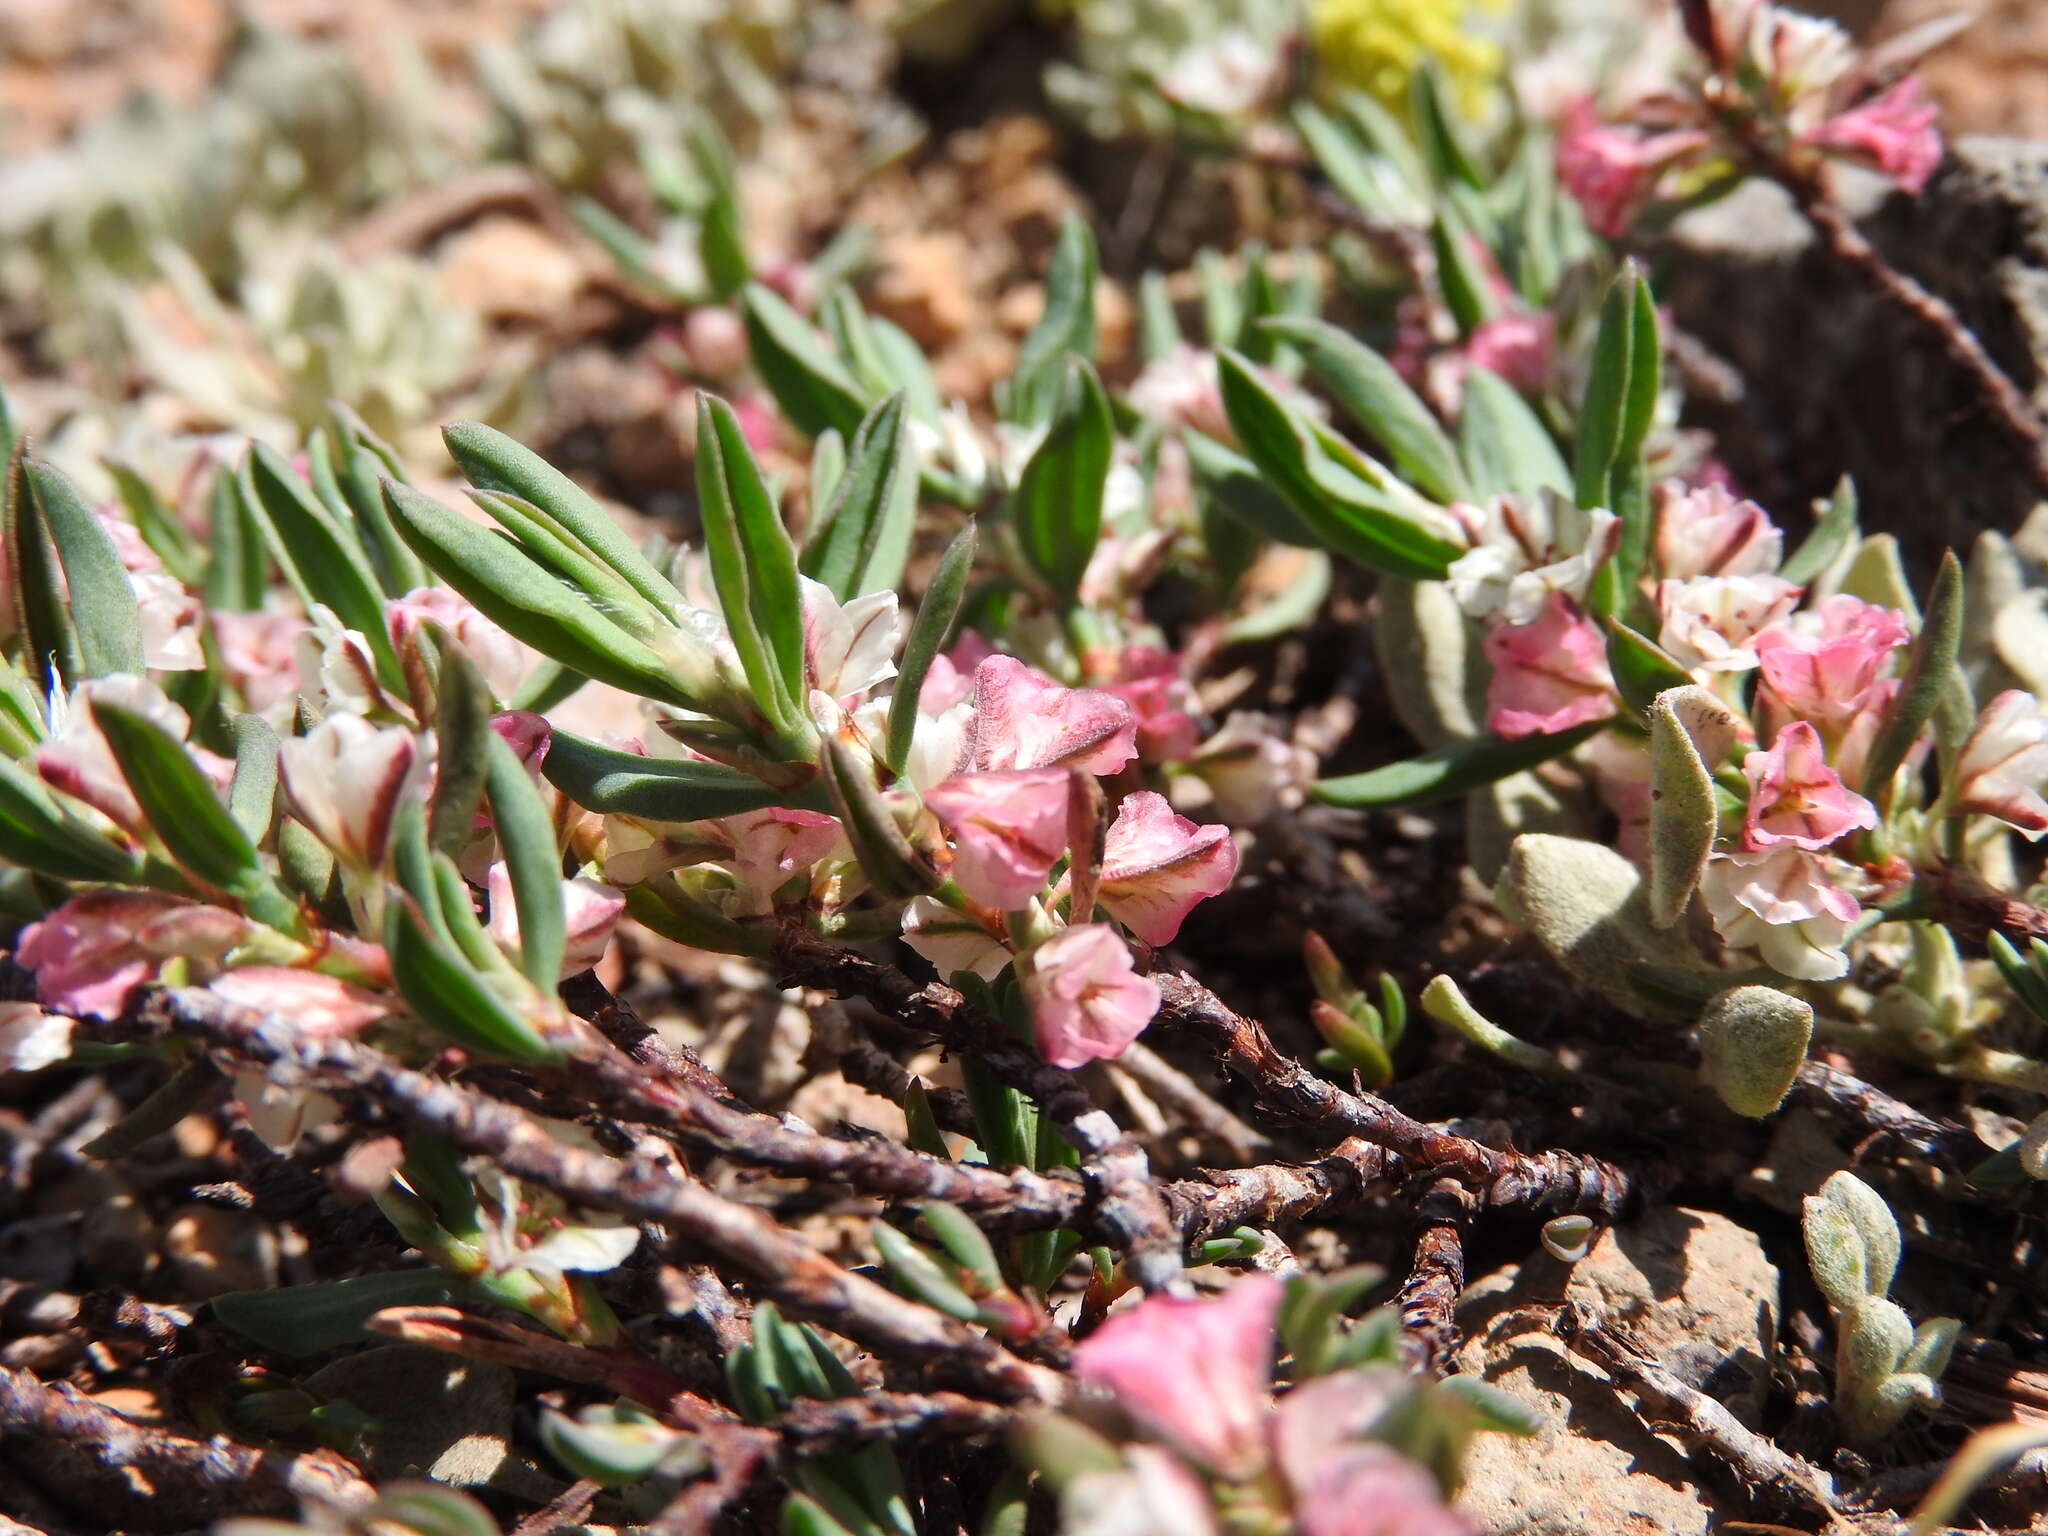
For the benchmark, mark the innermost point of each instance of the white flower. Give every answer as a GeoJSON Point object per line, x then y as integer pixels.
{"type": "Point", "coordinates": [2001, 768]}
{"type": "Point", "coordinates": [590, 910]}
{"type": "Point", "coordinates": [31, 1039]}
{"type": "Point", "coordinates": [1709, 621]}
{"type": "Point", "coordinates": [170, 617]}
{"type": "Point", "coordinates": [849, 647]}
{"type": "Point", "coordinates": [1226, 75]}
{"type": "Point", "coordinates": [951, 941]}
{"type": "Point", "coordinates": [1180, 390]}
{"type": "Point", "coordinates": [1523, 548]}
{"type": "Point", "coordinates": [345, 781]}
{"type": "Point", "coordinates": [1781, 904]}
{"type": "Point", "coordinates": [335, 669]}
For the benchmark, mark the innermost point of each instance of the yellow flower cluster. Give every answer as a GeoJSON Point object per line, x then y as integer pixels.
{"type": "Point", "coordinates": [1377, 45]}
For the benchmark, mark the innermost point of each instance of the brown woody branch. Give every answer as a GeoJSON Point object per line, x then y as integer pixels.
{"type": "Point", "coordinates": [1429, 1297]}
{"type": "Point", "coordinates": [1552, 1181]}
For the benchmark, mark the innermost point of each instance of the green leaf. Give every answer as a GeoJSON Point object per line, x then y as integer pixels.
{"type": "Point", "coordinates": [1752, 1040]}
{"type": "Point", "coordinates": [1435, 131]}
{"type": "Point", "coordinates": [462, 738]}
{"type": "Point", "coordinates": [321, 561]}
{"type": "Point", "coordinates": [1451, 771]}
{"type": "Point", "coordinates": [1065, 328]}
{"type": "Point", "coordinates": [1234, 484]}
{"type": "Point", "coordinates": [100, 605]}
{"type": "Point", "coordinates": [1930, 672]}
{"type": "Point", "coordinates": [362, 471]}
{"type": "Point", "coordinates": [811, 386]}
{"type": "Point", "coordinates": [1287, 451]}
{"type": "Point", "coordinates": [494, 462]}
{"type": "Point", "coordinates": [237, 574]}
{"type": "Point", "coordinates": [36, 589]}
{"type": "Point", "coordinates": [1503, 441]}
{"type": "Point", "coordinates": [1458, 272]}
{"type": "Point", "coordinates": [185, 813]}
{"type": "Point", "coordinates": [428, 1509]}
{"type": "Point", "coordinates": [1642, 669]}
{"type": "Point", "coordinates": [444, 989]}
{"type": "Point", "coordinates": [526, 837]}
{"type": "Point", "coordinates": [159, 526]}
{"type": "Point", "coordinates": [928, 632]}
{"type": "Point", "coordinates": [916, 1273]}
{"type": "Point", "coordinates": [1366, 385]}
{"type": "Point", "coordinates": [507, 586]}
{"type": "Point", "coordinates": [862, 538]}
{"type": "Point", "coordinates": [1683, 813]}
{"type": "Point", "coordinates": [1158, 326]}
{"type": "Point", "coordinates": [723, 246]}
{"type": "Point", "coordinates": [893, 867]}
{"type": "Point", "coordinates": [803, 1515]}
{"type": "Point", "coordinates": [252, 794]}
{"type": "Point", "coordinates": [36, 834]}
{"type": "Point", "coordinates": [1832, 532]}
{"type": "Point", "coordinates": [1057, 506]}
{"type": "Point", "coordinates": [312, 1319]}
{"type": "Point", "coordinates": [753, 564]}
{"type": "Point", "coordinates": [1606, 404]}
{"type": "Point", "coordinates": [609, 782]}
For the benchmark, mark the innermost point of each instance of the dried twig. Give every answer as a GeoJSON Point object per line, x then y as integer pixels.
{"type": "Point", "coordinates": [1879, 1114]}
{"type": "Point", "coordinates": [815, 1424]}
{"type": "Point", "coordinates": [1555, 1180]}
{"type": "Point", "coordinates": [1429, 1297]}
{"type": "Point", "coordinates": [1785, 1481]}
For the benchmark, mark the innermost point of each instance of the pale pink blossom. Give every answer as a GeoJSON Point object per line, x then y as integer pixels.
{"type": "Point", "coordinates": [169, 618]}
{"type": "Point", "coordinates": [314, 1003]}
{"type": "Point", "coordinates": [1827, 665]}
{"type": "Point", "coordinates": [1795, 799]}
{"type": "Point", "coordinates": [950, 678]}
{"type": "Point", "coordinates": [1149, 679]}
{"type": "Point", "coordinates": [1023, 719]}
{"type": "Point", "coordinates": [1196, 1374]}
{"type": "Point", "coordinates": [1893, 131]}
{"type": "Point", "coordinates": [1087, 1001]}
{"type": "Point", "coordinates": [1157, 865]}
{"type": "Point", "coordinates": [77, 760]}
{"type": "Point", "coordinates": [502, 660]}
{"type": "Point", "coordinates": [1370, 1489]}
{"type": "Point", "coordinates": [1549, 674]}
{"type": "Point", "coordinates": [1613, 172]}
{"type": "Point", "coordinates": [1525, 549]}
{"type": "Point", "coordinates": [952, 941]}
{"type": "Point", "coordinates": [1709, 531]}
{"type": "Point", "coordinates": [1226, 75]}
{"type": "Point", "coordinates": [1709, 622]}
{"type": "Point", "coordinates": [1620, 771]}
{"type": "Point", "coordinates": [256, 651]}
{"type": "Point", "coordinates": [1154, 1493]}
{"type": "Point", "coordinates": [1008, 830]}
{"type": "Point", "coordinates": [849, 647]}
{"type": "Point", "coordinates": [345, 780]}
{"type": "Point", "coordinates": [336, 672]}
{"type": "Point", "coordinates": [1251, 769]}
{"type": "Point", "coordinates": [590, 910]}
{"type": "Point", "coordinates": [1180, 390]}
{"type": "Point", "coordinates": [94, 953]}
{"type": "Point", "coordinates": [31, 1039]}
{"type": "Point", "coordinates": [1781, 903]}
{"type": "Point", "coordinates": [715, 339]}
{"type": "Point", "coordinates": [2002, 766]}
{"type": "Point", "coordinates": [775, 845]}
{"type": "Point", "coordinates": [1516, 345]}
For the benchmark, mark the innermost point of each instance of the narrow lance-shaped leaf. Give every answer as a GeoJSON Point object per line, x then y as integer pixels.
{"type": "Point", "coordinates": [1158, 326]}
{"type": "Point", "coordinates": [99, 602]}
{"type": "Point", "coordinates": [252, 794]}
{"type": "Point", "coordinates": [1066, 328]}
{"type": "Point", "coordinates": [526, 837]}
{"type": "Point", "coordinates": [1642, 669]}
{"type": "Point", "coordinates": [446, 992]}
{"type": "Point", "coordinates": [159, 526]}
{"type": "Point", "coordinates": [462, 737]}
{"type": "Point", "coordinates": [1449, 772]}
{"type": "Point", "coordinates": [811, 385]}
{"type": "Point", "coordinates": [312, 1319]}
{"type": "Point", "coordinates": [494, 462]}
{"type": "Point", "coordinates": [1057, 506]}
{"type": "Point", "coordinates": [35, 583]}
{"type": "Point", "coordinates": [753, 564]}
{"type": "Point", "coordinates": [928, 632]}
{"type": "Point", "coordinates": [1603, 411]}
{"type": "Point", "coordinates": [1930, 670]}
{"type": "Point", "coordinates": [1628, 491]}
{"type": "Point", "coordinates": [607, 781]}
{"type": "Point", "coordinates": [1367, 386]}
{"type": "Point", "coordinates": [1832, 532]}
{"type": "Point", "coordinates": [36, 834]}
{"type": "Point", "coordinates": [237, 570]}
{"type": "Point", "coordinates": [1436, 131]}
{"type": "Point", "coordinates": [187, 816]}
{"type": "Point", "coordinates": [1503, 442]}
{"type": "Point", "coordinates": [1233, 483]}
{"type": "Point", "coordinates": [506, 586]}
{"type": "Point", "coordinates": [862, 538]}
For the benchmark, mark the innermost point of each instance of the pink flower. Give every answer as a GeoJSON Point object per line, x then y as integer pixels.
{"type": "Point", "coordinates": [1709, 621]}
{"type": "Point", "coordinates": [1781, 903]}
{"type": "Point", "coordinates": [1549, 674]}
{"type": "Point", "coordinates": [772, 846]}
{"type": "Point", "coordinates": [1515, 345]}
{"type": "Point", "coordinates": [1180, 390]}
{"type": "Point", "coordinates": [78, 761]}
{"type": "Point", "coordinates": [93, 953]}
{"type": "Point", "coordinates": [716, 341]}
{"type": "Point", "coordinates": [590, 908]}
{"type": "Point", "coordinates": [1023, 719]}
{"type": "Point", "coordinates": [1827, 666]}
{"type": "Point", "coordinates": [1612, 172]}
{"type": "Point", "coordinates": [1149, 679]}
{"type": "Point", "coordinates": [1008, 831]}
{"type": "Point", "coordinates": [1369, 1489]}
{"type": "Point", "coordinates": [1156, 866]}
{"type": "Point", "coordinates": [2001, 767]}
{"type": "Point", "coordinates": [528, 735]}
{"type": "Point", "coordinates": [1893, 131]}
{"type": "Point", "coordinates": [1709, 532]}
{"type": "Point", "coordinates": [256, 653]}
{"type": "Point", "coordinates": [952, 941]}
{"type": "Point", "coordinates": [1795, 799]}
{"type": "Point", "coordinates": [1197, 1374]}
{"type": "Point", "coordinates": [1523, 548]}
{"type": "Point", "coordinates": [502, 660]}
{"type": "Point", "coordinates": [1251, 768]}
{"type": "Point", "coordinates": [316, 1004]}
{"type": "Point", "coordinates": [345, 780]}
{"type": "Point", "coordinates": [1087, 1001]}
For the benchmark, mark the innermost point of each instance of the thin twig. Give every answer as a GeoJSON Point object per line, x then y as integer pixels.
{"type": "Point", "coordinates": [817, 1424]}
{"type": "Point", "coordinates": [1877, 1113]}
{"type": "Point", "coordinates": [1429, 1298]}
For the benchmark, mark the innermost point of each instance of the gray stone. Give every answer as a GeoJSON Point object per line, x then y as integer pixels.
{"type": "Point", "coordinates": [1697, 1290]}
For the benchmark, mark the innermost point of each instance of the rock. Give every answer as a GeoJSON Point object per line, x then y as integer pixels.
{"type": "Point", "coordinates": [437, 1415]}
{"type": "Point", "coordinates": [507, 269]}
{"type": "Point", "coordinates": [1697, 1290]}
